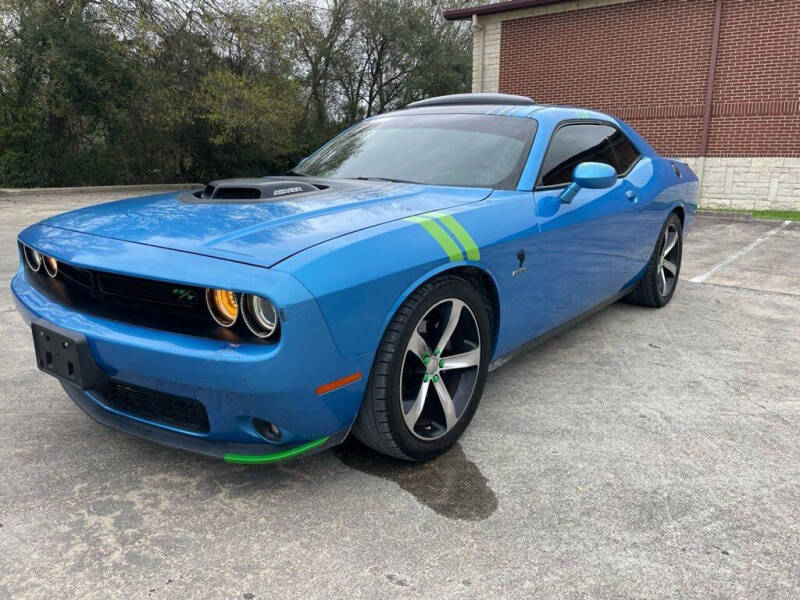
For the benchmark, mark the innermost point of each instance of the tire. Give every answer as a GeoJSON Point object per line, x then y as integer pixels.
{"type": "Point", "coordinates": [658, 285]}
{"type": "Point", "coordinates": [392, 419]}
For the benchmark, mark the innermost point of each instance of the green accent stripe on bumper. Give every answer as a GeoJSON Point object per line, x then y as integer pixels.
{"type": "Point", "coordinates": [440, 235]}
{"type": "Point", "coordinates": [464, 238]}
{"type": "Point", "coordinates": [254, 459]}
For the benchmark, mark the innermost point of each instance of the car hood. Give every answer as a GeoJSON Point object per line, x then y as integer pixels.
{"type": "Point", "coordinates": [261, 232]}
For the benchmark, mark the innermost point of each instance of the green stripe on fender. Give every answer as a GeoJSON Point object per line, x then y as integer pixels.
{"type": "Point", "coordinates": [254, 459]}
{"type": "Point", "coordinates": [464, 238]}
{"type": "Point", "coordinates": [440, 235]}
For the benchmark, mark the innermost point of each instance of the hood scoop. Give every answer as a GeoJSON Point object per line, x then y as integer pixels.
{"type": "Point", "coordinates": [233, 191]}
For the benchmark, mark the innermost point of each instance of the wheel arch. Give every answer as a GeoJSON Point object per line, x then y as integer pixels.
{"type": "Point", "coordinates": [681, 212]}
{"type": "Point", "coordinates": [476, 275]}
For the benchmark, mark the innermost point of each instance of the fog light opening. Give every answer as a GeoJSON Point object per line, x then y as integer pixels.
{"type": "Point", "coordinates": [268, 430]}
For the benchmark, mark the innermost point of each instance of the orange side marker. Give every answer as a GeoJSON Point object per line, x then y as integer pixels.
{"type": "Point", "coordinates": [335, 385]}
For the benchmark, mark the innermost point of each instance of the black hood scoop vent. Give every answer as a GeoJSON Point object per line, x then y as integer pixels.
{"type": "Point", "coordinates": [232, 191]}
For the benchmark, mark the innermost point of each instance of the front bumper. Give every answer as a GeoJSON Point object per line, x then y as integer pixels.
{"type": "Point", "coordinates": [249, 453]}
{"type": "Point", "coordinates": [234, 382]}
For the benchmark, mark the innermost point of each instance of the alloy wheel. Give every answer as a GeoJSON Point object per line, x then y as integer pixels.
{"type": "Point", "coordinates": [440, 369]}
{"type": "Point", "coordinates": [669, 256]}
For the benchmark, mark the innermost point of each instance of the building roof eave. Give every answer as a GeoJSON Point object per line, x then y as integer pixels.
{"type": "Point", "coordinates": [497, 7]}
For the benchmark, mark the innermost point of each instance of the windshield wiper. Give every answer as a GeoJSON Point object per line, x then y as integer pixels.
{"type": "Point", "coordinates": [387, 179]}
{"type": "Point", "coordinates": [295, 173]}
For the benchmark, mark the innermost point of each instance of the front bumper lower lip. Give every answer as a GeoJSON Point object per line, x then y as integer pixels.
{"type": "Point", "coordinates": [235, 453]}
{"type": "Point", "coordinates": [254, 459]}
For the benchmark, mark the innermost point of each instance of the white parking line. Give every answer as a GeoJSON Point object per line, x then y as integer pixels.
{"type": "Point", "coordinates": [737, 255]}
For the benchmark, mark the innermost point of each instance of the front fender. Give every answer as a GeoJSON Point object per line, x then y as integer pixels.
{"type": "Point", "coordinates": [360, 280]}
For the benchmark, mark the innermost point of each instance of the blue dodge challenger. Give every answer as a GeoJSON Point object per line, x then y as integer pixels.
{"type": "Point", "coordinates": [370, 289]}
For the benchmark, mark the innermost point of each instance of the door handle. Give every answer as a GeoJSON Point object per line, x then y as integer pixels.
{"type": "Point", "coordinates": [631, 195]}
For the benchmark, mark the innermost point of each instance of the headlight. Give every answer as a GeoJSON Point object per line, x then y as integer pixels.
{"type": "Point", "coordinates": [50, 266]}
{"type": "Point", "coordinates": [33, 258]}
{"type": "Point", "coordinates": [260, 315]}
{"type": "Point", "coordinates": [223, 306]}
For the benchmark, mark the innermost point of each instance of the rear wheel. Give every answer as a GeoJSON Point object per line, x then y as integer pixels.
{"type": "Point", "coordinates": [429, 372]}
{"type": "Point", "coordinates": [661, 277]}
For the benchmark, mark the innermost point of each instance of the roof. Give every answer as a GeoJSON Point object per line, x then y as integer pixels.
{"type": "Point", "coordinates": [497, 7]}
{"type": "Point", "coordinates": [474, 98]}
{"type": "Point", "coordinates": [507, 110]}
{"type": "Point", "coordinates": [526, 111]}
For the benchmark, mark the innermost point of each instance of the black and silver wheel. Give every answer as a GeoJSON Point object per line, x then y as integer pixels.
{"type": "Point", "coordinates": [440, 369]}
{"type": "Point", "coordinates": [669, 257]}
{"type": "Point", "coordinates": [429, 372]}
{"type": "Point", "coordinates": [658, 284]}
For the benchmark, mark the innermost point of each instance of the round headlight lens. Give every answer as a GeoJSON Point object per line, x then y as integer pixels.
{"type": "Point", "coordinates": [33, 258]}
{"type": "Point", "coordinates": [223, 306]}
{"type": "Point", "coordinates": [260, 315]}
{"type": "Point", "coordinates": [50, 265]}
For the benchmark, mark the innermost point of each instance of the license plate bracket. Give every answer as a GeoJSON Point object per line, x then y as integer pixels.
{"type": "Point", "coordinates": [65, 355]}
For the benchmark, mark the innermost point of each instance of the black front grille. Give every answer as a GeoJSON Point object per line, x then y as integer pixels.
{"type": "Point", "coordinates": [148, 290]}
{"type": "Point", "coordinates": [175, 411]}
{"type": "Point", "coordinates": [148, 293]}
{"type": "Point", "coordinates": [144, 302]}
{"type": "Point", "coordinates": [76, 275]}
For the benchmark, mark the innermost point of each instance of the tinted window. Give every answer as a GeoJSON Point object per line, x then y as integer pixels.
{"type": "Point", "coordinates": [461, 150]}
{"type": "Point", "coordinates": [625, 152]}
{"type": "Point", "coordinates": [572, 145]}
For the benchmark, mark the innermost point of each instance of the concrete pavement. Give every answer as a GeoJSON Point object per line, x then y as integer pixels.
{"type": "Point", "coordinates": [642, 454]}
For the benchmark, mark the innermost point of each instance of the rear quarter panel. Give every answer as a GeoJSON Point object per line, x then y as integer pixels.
{"type": "Point", "coordinates": [676, 190]}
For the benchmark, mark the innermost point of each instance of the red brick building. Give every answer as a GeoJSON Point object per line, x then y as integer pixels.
{"type": "Point", "coordinates": [716, 82]}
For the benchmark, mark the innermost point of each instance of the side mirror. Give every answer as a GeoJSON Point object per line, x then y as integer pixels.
{"type": "Point", "coordinates": [590, 175]}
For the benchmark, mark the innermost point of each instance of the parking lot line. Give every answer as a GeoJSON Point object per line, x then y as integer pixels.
{"type": "Point", "coordinates": [737, 255]}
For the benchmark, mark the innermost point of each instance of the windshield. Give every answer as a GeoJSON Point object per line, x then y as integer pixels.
{"type": "Point", "coordinates": [460, 150]}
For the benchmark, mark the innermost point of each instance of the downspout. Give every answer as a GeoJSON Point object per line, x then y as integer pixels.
{"type": "Point", "coordinates": [475, 29]}
{"type": "Point", "coordinates": [709, 102]}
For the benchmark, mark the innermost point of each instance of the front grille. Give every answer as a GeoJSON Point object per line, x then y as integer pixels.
{"type": "Point", "coordinates": [144, 302]}
{"type": "Point", "coordinates": [76, 275]}
{"type": "Point", "coordinates": [147, 290]}
{"type": "Point", "coordinates": [175, 411]}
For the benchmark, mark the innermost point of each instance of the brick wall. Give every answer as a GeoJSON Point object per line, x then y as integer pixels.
{"type": "Point", "coordinates": [631, 60]}
{"type": "Point", "coordinates": [486, 38]}
{"type": "Point", "coordinates": [647, 62]}
{"type": "Point", "coordinates": [757, 84]}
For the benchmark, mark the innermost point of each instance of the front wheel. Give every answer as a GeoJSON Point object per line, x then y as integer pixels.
{"type": "Point", "coordinates": [661, 277]}
{"type": "Point", "coordinates": [429, 372]}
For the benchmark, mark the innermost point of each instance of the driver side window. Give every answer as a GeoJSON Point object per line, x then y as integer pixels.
{"type": "Point", "coordinates": [572, 145]}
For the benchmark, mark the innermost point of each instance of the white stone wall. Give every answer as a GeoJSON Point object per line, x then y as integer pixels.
{"type": "Point", "coordinates": [486, 48]}
{"type": "Point", "coordinates": [748, 183]}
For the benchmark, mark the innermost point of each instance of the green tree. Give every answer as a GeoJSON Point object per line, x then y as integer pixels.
{"type": "Point", "coordinates": [126, 91]}
{"type": "Point", "coordinates": [63, 84]}
{"type": "Point", "coordinates": [401, 51]}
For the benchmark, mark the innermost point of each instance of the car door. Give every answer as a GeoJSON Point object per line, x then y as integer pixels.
{"type": "Point", "coordinates": [584, 253]}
